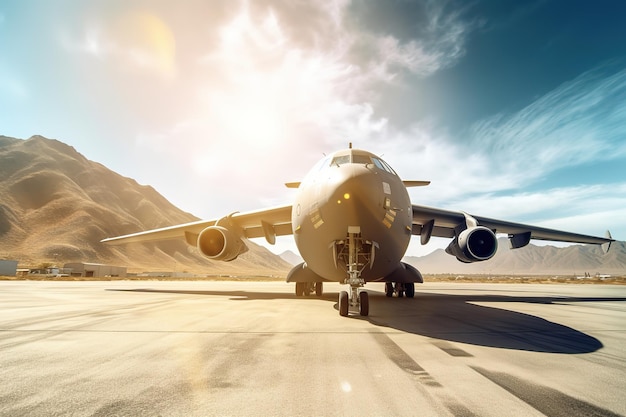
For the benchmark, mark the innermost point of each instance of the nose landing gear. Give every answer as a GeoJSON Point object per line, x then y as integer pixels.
{"type": "Point", "coordinates": [355, 254]}
{"type": "Point", "coordinates": [358, 301]}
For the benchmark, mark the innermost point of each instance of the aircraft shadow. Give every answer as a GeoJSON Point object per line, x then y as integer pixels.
{"type": "Point", "coordinates": [456, 318]}
{"type": "Point", "coordinates": [453, 318]}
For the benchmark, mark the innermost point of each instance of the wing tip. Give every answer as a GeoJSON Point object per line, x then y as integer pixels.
{"type": "Point", "coordinates": [606, 246]}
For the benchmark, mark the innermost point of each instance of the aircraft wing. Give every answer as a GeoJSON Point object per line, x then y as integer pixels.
{"type": "Point", "coordinates": [442, 223]}
{"type": "Point", "coordinates": [261, 223]}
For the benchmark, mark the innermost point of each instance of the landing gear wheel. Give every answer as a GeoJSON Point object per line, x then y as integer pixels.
{"type": "Point", "coordinates": [343, 303]}
{"type": "Point", "coordinates": [409, 289]}
{"type": "Point", "coordinates": [399, 289]}
{"type": "Point", "coordinates": [389, 289]}
{"type": "Point", "coordinates": [319, 288]}
{"type": "Point", "coordinates": [364, 303]}
{"type": "Point", "coordinates": [302, 289]}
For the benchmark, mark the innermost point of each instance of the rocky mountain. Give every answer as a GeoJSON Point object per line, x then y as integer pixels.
{"type": "Point", "coordinates": [532, 259]}
{"type": "Point", "coordinates": [56, 206]}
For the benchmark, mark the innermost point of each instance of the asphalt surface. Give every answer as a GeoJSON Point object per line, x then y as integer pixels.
{"type": "Point", "coordinates": [252, 348]}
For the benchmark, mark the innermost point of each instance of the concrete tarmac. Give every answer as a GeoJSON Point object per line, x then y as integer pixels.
{"type": "Point", "coordinates": [129, 348]}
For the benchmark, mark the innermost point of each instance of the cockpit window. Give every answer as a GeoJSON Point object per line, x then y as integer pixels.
{"type": "Point", "coordinates": [356, 158]}
{"type": "Point", "coordinates": [361, 159]}
{"type": "Point", "coordinates": [378, 164]}
{"type": "Point", "coordinates": [388, 168]}
{"type": "Point", "coordinates": [383, 165]}
{"type": "Point", "coordinates": [340, 160]}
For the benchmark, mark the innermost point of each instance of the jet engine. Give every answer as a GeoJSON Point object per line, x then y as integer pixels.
{"type": "Point", "coordinates": [220, 243]}
{"type": "Point", "coordinates": [473, 245]}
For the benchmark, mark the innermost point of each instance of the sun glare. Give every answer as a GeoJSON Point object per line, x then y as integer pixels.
{"type": "Point", "coordinates": [251, 104]}
{"type": "Point", "coordinates": [149, 40]}
{"type": "Point", "coordinates": [261, 90]}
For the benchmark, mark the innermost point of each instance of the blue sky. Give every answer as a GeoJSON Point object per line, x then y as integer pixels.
{"type": "Point", "coordinates": [513, 109]}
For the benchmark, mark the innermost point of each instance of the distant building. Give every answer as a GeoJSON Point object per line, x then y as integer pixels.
{"type": "Point", "coordinates": [81, 269]}
{"type": "Point", "coordinates": [22, 272]}
{"type": "Point", "coordinates": [8, 268]}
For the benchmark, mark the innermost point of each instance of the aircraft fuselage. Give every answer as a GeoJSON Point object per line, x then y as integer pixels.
{"type": "Point", "coordinates": [352, 191]}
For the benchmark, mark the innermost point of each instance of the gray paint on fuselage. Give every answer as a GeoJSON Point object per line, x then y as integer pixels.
{"type": "Point", "coordinates": [333, 197]}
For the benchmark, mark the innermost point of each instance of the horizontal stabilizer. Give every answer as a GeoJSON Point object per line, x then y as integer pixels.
{"type": "Point", "coordinates": [415, 183]}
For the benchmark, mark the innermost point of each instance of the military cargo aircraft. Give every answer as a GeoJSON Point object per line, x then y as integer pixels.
{"type": "Point", "coordinates": [352, 221]}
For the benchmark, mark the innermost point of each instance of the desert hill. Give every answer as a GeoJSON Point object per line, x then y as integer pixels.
{"type": "Point", "coordinates": [291, 257]}
{"type": "Point", "coordinates": [56, 206]}
{"type": "Point", "coordinates": [532, 259]}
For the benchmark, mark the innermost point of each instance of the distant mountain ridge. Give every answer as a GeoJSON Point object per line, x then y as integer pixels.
{"type": "Point", "coordinates": [531, 259]}
{"type": "Point", "coordinates": [56, 206]}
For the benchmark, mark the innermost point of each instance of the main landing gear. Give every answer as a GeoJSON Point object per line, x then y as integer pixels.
{"type": "Point", "coordinates": [400, 289]}
{"type": "Point", "coordinates": [307, 288]}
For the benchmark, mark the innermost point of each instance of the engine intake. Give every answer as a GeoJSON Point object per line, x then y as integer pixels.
{"type": "Point", "coordinates": [473, 245]}
{"type": "Point", "coordinates": [220, 243]}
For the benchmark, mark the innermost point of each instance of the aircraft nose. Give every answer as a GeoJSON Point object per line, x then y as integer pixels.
{"type": "Point", "coordinates": [359, 187]}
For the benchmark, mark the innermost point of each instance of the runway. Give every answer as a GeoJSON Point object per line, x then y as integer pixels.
{"type": "Point", "coordinates": [252, 348]}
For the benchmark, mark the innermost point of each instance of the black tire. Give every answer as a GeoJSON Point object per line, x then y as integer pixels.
{"type": "Point", "coordinates": [300, 289]}
{"type": "Point", "coordinates": [364, 303]}
{"type": "Point", "coordinates": [409, 289]}
{"type": "Point", "coordinates": [319, 288]}
{"type": "Point", "coordinates": [389, 289]}
{"type": "Point", "coordinates": [343, 303]}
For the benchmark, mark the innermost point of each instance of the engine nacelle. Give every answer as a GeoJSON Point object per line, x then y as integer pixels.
{"type": "Point", "coordinates": [473, 245]}
{"type": "Point", "coordinates": [220, 243]}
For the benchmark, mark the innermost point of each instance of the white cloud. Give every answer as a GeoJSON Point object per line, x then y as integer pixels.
{"type": "Point", "coordinates": [579, 122]}
{"type": "Point", "coordinates": [441, 46]}
{"type": "Point", "coordinates": [549, 203]}
{"type": "Point", "coordinates": [266, 97]}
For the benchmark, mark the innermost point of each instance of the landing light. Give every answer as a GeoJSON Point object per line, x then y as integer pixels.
{"type": "Point", "coordinates": [346, 196]}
